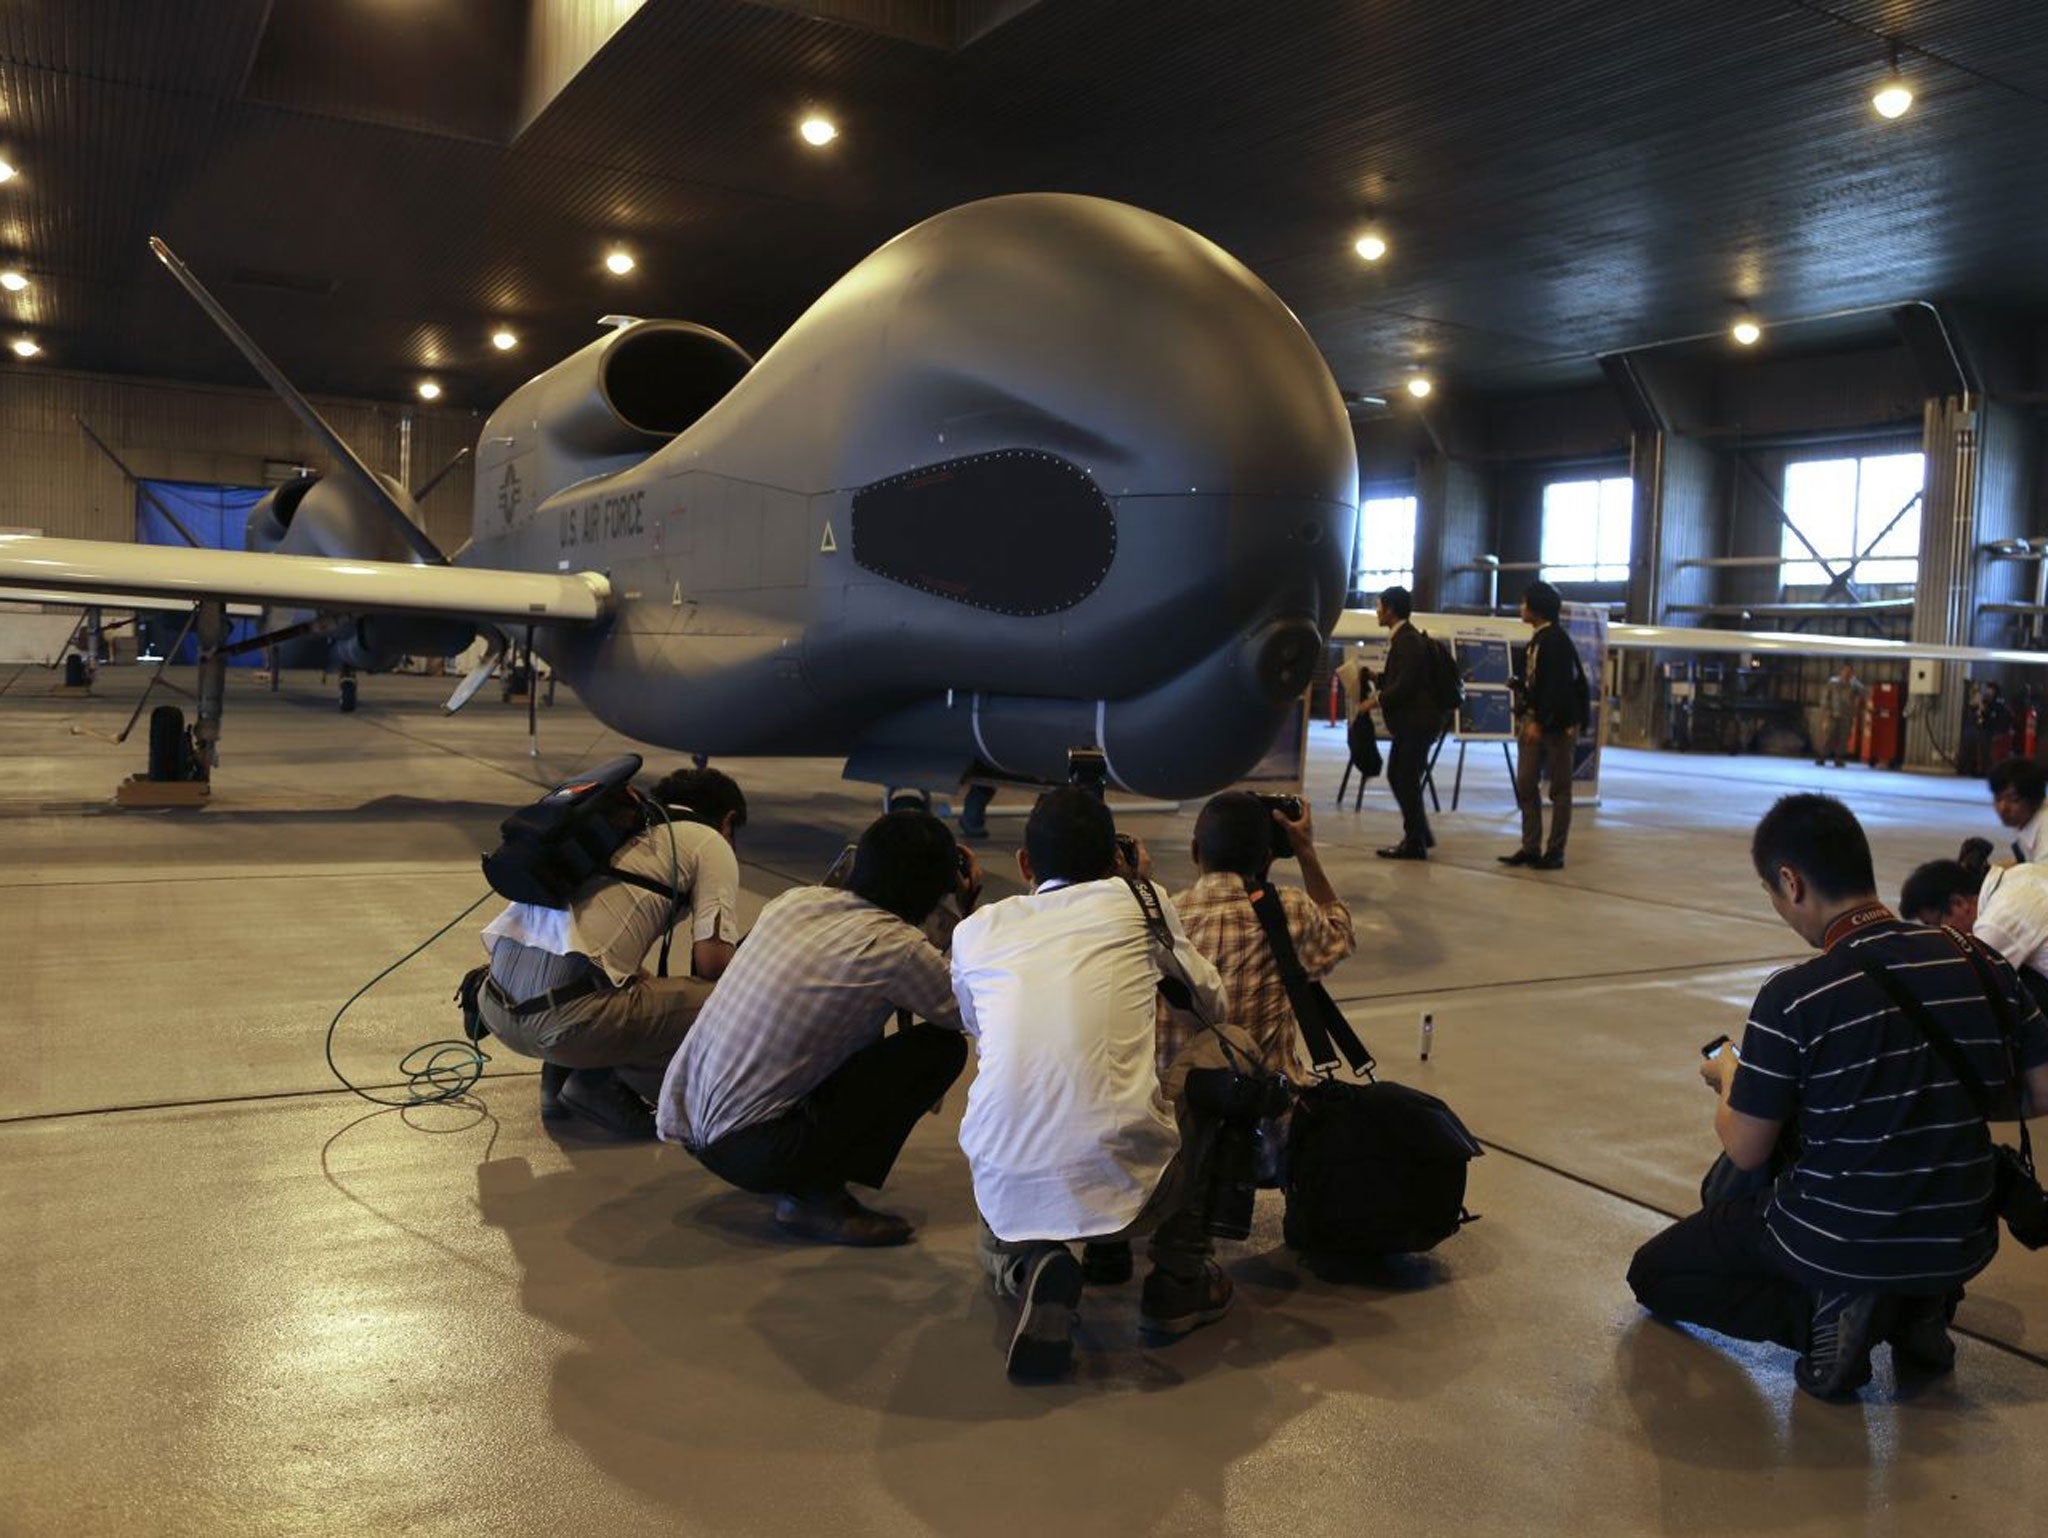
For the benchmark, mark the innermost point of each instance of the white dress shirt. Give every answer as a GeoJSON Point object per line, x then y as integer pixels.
{"type": "Point", "coordinates": [2012, 914]}
{"type": "Point", "coordinates": [1066, 1132]}
{"type": "Point", "coordinates": [2028, 844]}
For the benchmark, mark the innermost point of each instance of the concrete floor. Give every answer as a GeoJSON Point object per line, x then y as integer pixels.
{"type": "Point", "coordinates": [236, 1299]}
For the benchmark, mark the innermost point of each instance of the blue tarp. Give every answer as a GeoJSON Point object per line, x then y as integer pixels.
{"type": "Point", "coordinates": [216, 515]}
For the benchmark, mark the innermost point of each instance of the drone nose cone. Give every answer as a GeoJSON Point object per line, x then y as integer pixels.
{"type": "Point", "coordinates": [1286, 659]}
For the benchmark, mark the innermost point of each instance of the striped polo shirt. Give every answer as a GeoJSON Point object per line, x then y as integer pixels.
{"type": "Point", "coordinates": [1891, 1187]}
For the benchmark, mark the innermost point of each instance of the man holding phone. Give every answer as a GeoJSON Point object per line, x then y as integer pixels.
{"type": "Point", "coordinates": [1881, 1209]}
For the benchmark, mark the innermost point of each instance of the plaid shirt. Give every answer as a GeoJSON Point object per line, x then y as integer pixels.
{"type": "Point", "coordinates": [1220, 920]}
{"type": "Point", "coordinates": [819, 976]}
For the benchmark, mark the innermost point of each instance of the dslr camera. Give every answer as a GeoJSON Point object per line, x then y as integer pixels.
{"type": "Point", "coordinates": [1289, 807]}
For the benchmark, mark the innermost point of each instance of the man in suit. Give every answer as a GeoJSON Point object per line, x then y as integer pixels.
{"type": "Point", "coordinates": [1413, 722]}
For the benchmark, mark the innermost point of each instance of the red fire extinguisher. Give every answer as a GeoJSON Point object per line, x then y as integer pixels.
{"type": "Point", "coordinates": [2030, 720]}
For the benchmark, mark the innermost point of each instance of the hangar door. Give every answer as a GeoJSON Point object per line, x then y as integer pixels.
{"type": "Point", "coordinates": [216, 516]}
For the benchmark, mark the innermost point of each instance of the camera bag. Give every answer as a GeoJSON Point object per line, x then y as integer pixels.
{"type": "Point", "coordinates": [2016, 1190]}
{"type": "Point", "coordinates": [1372, 1169]}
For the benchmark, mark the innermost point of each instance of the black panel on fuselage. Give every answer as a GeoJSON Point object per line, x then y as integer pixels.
{"type": "Point", "coordinates": [1014, 532]}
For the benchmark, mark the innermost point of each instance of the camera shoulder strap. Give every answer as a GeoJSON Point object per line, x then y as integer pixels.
{"type": "Point", "coordinates": [1181, 995]}
{"type": "Point", "coordinates": [1323, 1026]}
{"type": "Point", "coordinates": [1943, 1044]}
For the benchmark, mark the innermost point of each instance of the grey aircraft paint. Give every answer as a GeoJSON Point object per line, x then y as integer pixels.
{"type": "Point", "coordinates": [1045, 472]}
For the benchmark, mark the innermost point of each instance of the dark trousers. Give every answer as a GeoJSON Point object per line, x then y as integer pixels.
{"type": "Point", "coordinates": [1407, 760]}
{"type": "Point", "coordinates": [1718, 1268]}
{"type": "Point", "coordinates": [1538, 753]}
{"type": "Point", "coordinates": [850, 1128]}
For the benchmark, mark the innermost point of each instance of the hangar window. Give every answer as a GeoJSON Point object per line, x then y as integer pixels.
{"type": "Point", "coordinates": [1587, 527]}
{"type": "Point", "coordinates": [1862, 511]}
{"type": "Point", "coordinates": [1385, 544]}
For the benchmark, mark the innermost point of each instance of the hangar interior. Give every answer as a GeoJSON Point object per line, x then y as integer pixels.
{"type": "Point", "coordinates": [238, 1299]}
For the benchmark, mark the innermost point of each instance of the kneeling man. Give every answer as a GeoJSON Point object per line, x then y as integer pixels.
{"type": "Point", "coordinates": [1881, 1206]}
{"type": "Point", "coordinates": [786, 1084]}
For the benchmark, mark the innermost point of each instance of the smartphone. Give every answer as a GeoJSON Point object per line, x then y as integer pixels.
{"type": "Point", "coordinates": [1714, 1046]}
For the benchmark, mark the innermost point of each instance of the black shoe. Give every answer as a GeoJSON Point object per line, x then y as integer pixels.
{"type": "Point", "coordinates": [1106, 1264]}
{"type": "Point", "coordinates": [1042, 1346]}
{"type": "Point", "coordinates": [1820, 763]}
{"type": "Point", "coordinates": [835, 1217]}
{"type": "Point", "coordinates": [1548, 862]}
{"type": "Point", "coordinates": [552, 1077]}
{"type": "Point", "coordinates": [1173, 1305]}
{"type": "Point", "coordinates": [1403, 852]}
{"type": "Point", "coordinates": [1845, 1326]}
{"type": "Point", "coordinates": [598, 1096]}
{"type": "Point", "coordinates": [1519, 857]}
{"type": "Point", "coordinates": [1920, 1338]}
{"type": "Point", "coordinates": [1429, 841]}
{"type": "Point", "coordinates": [1841, 764]}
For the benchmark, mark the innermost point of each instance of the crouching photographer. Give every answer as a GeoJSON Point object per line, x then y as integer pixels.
{"type": "Point", "coordinates": [1068, 1133]}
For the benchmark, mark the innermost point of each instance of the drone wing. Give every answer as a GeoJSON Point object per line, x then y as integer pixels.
{"type": "Point", "coordinates": [103, 569]}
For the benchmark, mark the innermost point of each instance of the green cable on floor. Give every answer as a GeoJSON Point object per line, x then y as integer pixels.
{"type": "Point", "coordinates": [448, 1070]}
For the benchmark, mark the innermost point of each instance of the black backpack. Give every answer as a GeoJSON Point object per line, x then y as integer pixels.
{"type": "Point", "coordinates": [548, 850]}
{"type": "Point", "coordinates": [1372, 1169]}
{"type": "Point", "coordinates": [1442, 681]}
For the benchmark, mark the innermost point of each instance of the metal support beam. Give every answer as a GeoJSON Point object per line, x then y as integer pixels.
{"type": "Point", "coordinates": [213, 681]}
{"type": "Point", "coordinates": [1837, 581]}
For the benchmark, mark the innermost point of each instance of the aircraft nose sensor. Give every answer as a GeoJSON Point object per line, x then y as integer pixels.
{"type": "Point", "coordinates": [1287, 659]}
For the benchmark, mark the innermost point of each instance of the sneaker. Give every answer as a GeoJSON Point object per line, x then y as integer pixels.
{"type": "Point", "coordinates": [1173, 1305]}
{"type": "Point", "coordinates": [1042, 1346]}
{"type": "Point", "coordinates": [1106, 1264]}
{"type": "Point", "coordinates": [835, 1217]}
{"type": "Point", "coordinates": [1845, 1326]}
{"type": "Point", "coordinates": [552, 1077]}
{"type": "Point", "coordinates": [598, 1096]}
{"type": "Point", "coordinates": [1920, 1339]}
{"type": "Point", "coordinates": [1519, 857]}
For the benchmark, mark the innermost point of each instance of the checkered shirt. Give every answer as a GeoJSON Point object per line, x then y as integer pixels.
{"type": "Point", "coordinates": [1219, 919]}
{"type": "Point", "coordinates": [817, 979]}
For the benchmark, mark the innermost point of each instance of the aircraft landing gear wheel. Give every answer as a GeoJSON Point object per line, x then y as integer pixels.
{"type": "Point", "coordinates": [348, 695]}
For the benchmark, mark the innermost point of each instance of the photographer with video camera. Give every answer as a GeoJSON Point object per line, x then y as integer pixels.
{"type": "Point", "coordinates": [1068, 1134]}
{"type": "Point", "coordinates": [1865, 1081]}
{"type": "Point", "coordinates": [787, 1085]}
{"type": "Point", "coordinates": [571, 985]}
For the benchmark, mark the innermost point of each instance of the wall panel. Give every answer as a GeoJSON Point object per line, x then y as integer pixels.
{"type": "Point", "coordinates": [53, 479]}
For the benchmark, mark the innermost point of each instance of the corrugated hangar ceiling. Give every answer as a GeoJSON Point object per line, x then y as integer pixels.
{"type": "Point", "coordinates": [374, 185]}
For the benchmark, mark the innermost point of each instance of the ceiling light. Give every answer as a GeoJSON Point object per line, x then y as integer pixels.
{"type": "Point", "coordinates": [1371, 246]}
{"type": "Point", "coordinates": [620, 262]}
{"type": "Point", "coordinates": [1419, 386]}
{"type": "Point", "coordinates": [818, 130]}
{"type": "Point", "coordinates": [25, 348]}
{"type": "Point", "coordinates": [13, 282]}
{"type": "Point", "coordinates": [429, 391]}
{"type": "Point", "coordinates": [1893, 96]}
{"type": "Point", "coordinates": [503, 340]}
{"type": "Point", "coordinates": [6, 172]}
{"type": "Point", "coordinates": [1746, 332]}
